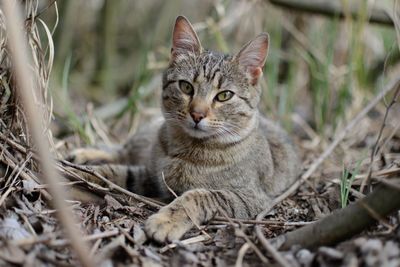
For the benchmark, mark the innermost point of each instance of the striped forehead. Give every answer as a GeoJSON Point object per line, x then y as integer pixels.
{"type": "Point", "coordinates": [209, 68]}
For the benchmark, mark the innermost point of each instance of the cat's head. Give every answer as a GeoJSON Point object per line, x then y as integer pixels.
{"type": "Point", "coordinates": [209, 95]}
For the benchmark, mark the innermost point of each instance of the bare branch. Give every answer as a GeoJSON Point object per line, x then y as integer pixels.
{"type": "Point", "coordinates": [334, 9]}
{"type": "Point", "coordinates": [347, 222]}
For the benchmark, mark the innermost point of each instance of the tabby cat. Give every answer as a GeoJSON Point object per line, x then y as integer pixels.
{"type": "Point", "coordinates": [212, 147]}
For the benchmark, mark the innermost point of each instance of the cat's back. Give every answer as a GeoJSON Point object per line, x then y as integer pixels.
{"type": "Point", "coordinates": [139, 146]}
{"type": "Point", "coordinates": [283, 153]}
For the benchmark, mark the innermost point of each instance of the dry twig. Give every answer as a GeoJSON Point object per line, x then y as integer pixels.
{"type": "Point", "coordinates": [248, 241]}
{"type": "Point", "coordinates": [151, 202]}
{"type": "Point", "coordinates": [374, 151]}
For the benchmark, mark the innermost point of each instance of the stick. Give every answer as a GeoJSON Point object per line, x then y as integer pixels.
{"type": "Point", "coordinates": [24, 175]}
{"type": "Point", "coordinates": [25, 81]}
{"type": "Point", "coordinates": [334, 8]}
{"type": "Point", "coordinates": [192, 240]}
{"type": "Point", "coordinates": [221, 220]}
{"type": "Point", "coordinates": [345, 223]}
{"type": "Point", "coordinates": [378, 139]}
{"type": "Point", "coordinates": [62, 242]}
{"type": "Point", "coordinates": [239, 232]}
{"type": "Point", "coordinates": [241, 254]}
{"type": "Point", "coordinates": [150, 202]}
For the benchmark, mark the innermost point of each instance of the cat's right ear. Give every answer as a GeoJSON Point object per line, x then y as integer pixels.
{"type": "Point", "coordinates": [184, 39]}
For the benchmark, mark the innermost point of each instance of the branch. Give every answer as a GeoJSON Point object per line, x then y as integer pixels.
{"type": "Point", "coordinates": [374, 151]}
{"type": "Point", "coordinates": [26, 86]}
{"type": "Point", "coordinates": [86, 169]}
{"type": "Point", "coordinates": [345, 223]}
{"type": "Point", "coordinates": [335, 8]}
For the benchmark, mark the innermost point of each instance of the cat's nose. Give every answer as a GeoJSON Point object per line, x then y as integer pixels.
{"type": "Point", "coordinates": [197, 116]}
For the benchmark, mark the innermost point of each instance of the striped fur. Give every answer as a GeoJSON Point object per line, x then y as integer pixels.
{"type": "Point", "coordinates": [232, 159]}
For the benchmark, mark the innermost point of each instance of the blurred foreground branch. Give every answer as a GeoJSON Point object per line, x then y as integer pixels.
{"type": "Point", "coordinates": [334, 8]}
{"type": "Point", "coordinates": [26, 92]}
{"type": "Point", "coordinates": [347, 222]}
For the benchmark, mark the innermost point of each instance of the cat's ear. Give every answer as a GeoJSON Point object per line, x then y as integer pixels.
{"type": "Point", "coordinates": [184, 38]}
{"type": "Point", "coordinates": [252, 57]}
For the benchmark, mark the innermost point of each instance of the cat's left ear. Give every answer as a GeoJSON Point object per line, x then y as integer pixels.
{"type": "Point", "coordinates": [253, 55]}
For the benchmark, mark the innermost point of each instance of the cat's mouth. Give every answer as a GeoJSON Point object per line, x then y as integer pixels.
{"type": "Point", "coordinates": [197, 130]}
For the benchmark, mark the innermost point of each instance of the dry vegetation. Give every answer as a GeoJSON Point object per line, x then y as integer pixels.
{"type": "Point", "coordinates": [333, 82]}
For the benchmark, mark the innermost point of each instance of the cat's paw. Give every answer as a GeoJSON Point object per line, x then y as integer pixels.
{"type": "Point", "coordinates": [91, 156]}
{"type": "Point", "coordinates": [167, 225]}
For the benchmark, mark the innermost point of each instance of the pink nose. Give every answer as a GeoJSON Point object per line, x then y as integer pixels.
{"type": "Point", "coordinates": [197, 116]}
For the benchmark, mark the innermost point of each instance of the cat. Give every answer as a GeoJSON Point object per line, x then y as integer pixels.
{"type": "Point", "coordinates": [212, 147]}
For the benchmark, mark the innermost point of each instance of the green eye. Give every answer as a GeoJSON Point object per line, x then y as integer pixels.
{"type": "Point", "coordinates": [224, 96]}
{"type": "Point", "coordinates": [186, 87]}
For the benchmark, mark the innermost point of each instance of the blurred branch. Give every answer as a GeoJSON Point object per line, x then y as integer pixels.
{"type": "Point", "coordinates": [107, 44]}
{"type": "Point", "coordinates": [345, 223]}
{"type": "Point", "coordinates": [26, 84]}
{"type": "Point", "coordinates": [375, 148]}
{"type": "Point", "coordinates": [64, 38]}
{"type": "Point", "coordinates": [334, 8]}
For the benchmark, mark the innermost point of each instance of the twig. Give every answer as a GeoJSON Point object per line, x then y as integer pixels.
{"type": "Point", "coordinates": [245, 237]}
{"type": "Point", "coordinates": [13, 144]}
{"type": "Point", "coordinates": [42, 11]}
{"type": "Point", "coordinates": [7, 161]}
{"type": "Point", "coordinates": [62, 242]}
{"type": "Point", "coordinates": [387, 172]}
{"type": "Point", "coordinates": [25, 81]}
{"type": "Point", "coordinates": [266, 244]}
{"type": "Point", "coordinates": [150, 202]}
{"type": "Point", "coordinates": [241, 253]}
{"type": "Point", "coordinates": [95, 247]}
{"type": "Point", "coordinates": [333, 9]}
{"type": "Point", "coordinates": [11, 186]}
{"type": "Point", "coordinates": [375, 147]}
{"type": "Point", "coordinates": [192, 240]}
{"type": "Point", "coordinates": [219, 220]}
{"type": "Point", "coordinates": [389, 87]}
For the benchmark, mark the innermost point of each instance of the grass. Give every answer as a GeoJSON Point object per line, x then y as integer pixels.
{"type": "Point", "coordinates": [72, 118]}
{"type": "Point", "coordinates": [332, 67]}
{"type": "Point", "coordinates": [346, 182]}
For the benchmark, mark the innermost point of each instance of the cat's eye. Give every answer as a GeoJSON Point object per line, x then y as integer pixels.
{"type": "Point", "coordinates": [224, 96]}
{"type": "Point", "coordinates": [186, 87]}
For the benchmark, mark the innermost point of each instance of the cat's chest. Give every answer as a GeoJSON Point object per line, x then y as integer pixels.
{"type": "Point", "coordinates": [182, 175]}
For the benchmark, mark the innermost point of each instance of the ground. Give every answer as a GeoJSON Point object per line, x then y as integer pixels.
{"type": "Point", "coordinates": [113, 223]}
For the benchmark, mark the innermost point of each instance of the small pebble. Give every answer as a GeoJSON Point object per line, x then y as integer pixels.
{"type": "Point", "coordinates": [305, 257]}
{"type": "Point", "coordinates": [331, 253]}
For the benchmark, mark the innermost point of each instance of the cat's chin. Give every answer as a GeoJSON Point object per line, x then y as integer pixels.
{"type": "Point", "coordinates": [202, 134]}
{"type": "Point", "coordinates": [197, 133]}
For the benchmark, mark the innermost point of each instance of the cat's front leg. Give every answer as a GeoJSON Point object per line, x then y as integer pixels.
{"type": "Point", "coordinates": [195, 207]}
{"type": "Point", "coordinates": [93, 156]}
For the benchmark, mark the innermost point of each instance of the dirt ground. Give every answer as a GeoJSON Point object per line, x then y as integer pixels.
{"type": "Point", "coordinates": [31, 236]}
